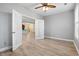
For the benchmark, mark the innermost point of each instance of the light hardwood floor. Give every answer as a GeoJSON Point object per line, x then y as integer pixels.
{"type": "Point", "coordinates": [45, 47]}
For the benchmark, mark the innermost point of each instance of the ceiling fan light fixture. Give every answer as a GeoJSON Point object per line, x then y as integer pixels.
{"type": "Point", "coordinates": [45, 8]}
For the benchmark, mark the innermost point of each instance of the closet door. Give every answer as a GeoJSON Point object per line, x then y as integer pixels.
{"type": "Point", "coordinates": [16, 30]}
{"type": "Point", "coordinates": [39, 29]}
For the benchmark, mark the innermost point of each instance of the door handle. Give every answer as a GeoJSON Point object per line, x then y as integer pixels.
{"type": "Point", "coordinates": [13, 32]}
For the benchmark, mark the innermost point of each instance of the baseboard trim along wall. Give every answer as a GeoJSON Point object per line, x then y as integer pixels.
{"type": "Point", "coordinates": [5, 48]}
{"type": "Point", "coordinates": [59, 38]}
{"type": "Point", "coordinates": [76, 47]}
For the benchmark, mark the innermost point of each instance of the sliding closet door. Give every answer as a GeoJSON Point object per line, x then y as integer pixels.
{"type": "Point", "coordinates": [16, 30]}
{"type": "Point", "coordinates": [39, 29]}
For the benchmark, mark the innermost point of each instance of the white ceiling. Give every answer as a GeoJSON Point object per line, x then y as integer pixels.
{"type": "Point", "coordinates": [60, 7]}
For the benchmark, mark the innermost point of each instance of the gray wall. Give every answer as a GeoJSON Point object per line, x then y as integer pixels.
{"type": "Point", "coordinates": [5, 30]}
{"type": "Point", "coordinates": [60, 25]}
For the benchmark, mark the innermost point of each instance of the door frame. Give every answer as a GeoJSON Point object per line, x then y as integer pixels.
{"type": "Point", "coordinates": [32, 18]}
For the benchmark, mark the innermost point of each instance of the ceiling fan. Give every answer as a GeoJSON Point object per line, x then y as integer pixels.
{"type": "Point", "coordinates": [45, 6]}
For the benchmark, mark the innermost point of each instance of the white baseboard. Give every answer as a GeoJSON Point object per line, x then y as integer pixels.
{"type": "Point", "coordinates": [5, 48]}
{"type": "Point", "coordinates": [59, 38]}
{"type": "Point", "coordinates": [76, 47]}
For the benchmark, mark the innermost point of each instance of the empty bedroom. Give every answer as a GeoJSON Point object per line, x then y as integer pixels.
{"type": "Point", "coordinates": [39, 29]}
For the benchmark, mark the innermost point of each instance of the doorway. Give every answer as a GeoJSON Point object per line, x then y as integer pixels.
{"type": "Point", "coordinates": [28, 29]}
{"type": "Point", "coordinates": [24, 28]}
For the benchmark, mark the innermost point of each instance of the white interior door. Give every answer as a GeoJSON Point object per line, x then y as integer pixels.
{"type": "Point", "coordinates": [16, 30]}
{"type": "Point", "coordinates": [39, 29]}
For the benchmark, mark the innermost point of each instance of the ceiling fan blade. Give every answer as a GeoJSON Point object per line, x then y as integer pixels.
{"type": "Point", "coordinates": [51, 6]}
{"type": "Point", "coordinates": [38, 7]}
{"type": "Point", "coordinates": [44, 4]}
